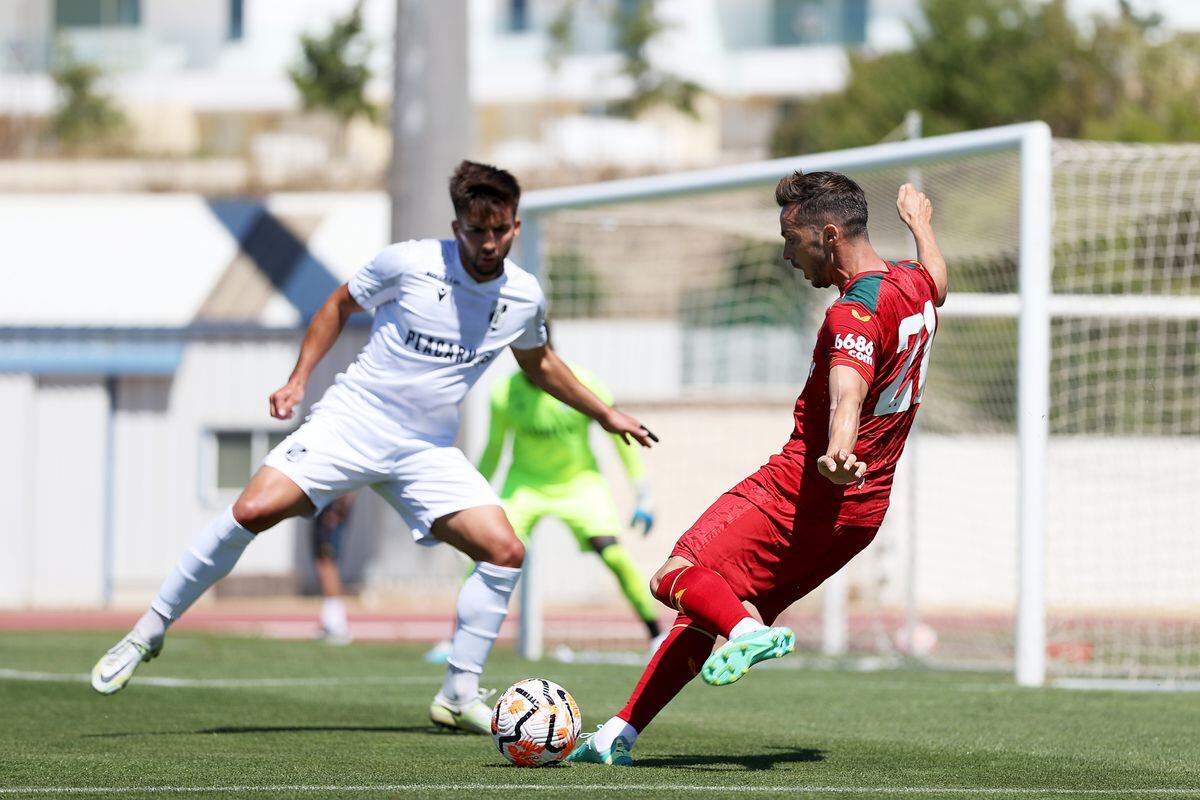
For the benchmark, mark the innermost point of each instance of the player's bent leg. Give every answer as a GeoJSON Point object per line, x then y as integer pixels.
{"type": "Point", "coordinates": [672, 667]}
{"type": "Point", "coordinates": [705, 597]}
{"type": "Point", "coordinates": [270, 498]}
{"type": "Point", "coordinates": [209, 557]}
{"type": "Point", "coordinates": [483, 533]}
{"type": "Point", "coordinates": [733, 659]}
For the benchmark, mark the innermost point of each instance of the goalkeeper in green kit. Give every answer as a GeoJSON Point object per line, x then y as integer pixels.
{"type": "Point", "coordinates": [554, 473]}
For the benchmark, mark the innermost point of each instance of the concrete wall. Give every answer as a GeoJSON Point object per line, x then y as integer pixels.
{"type": "Point", "coordinates": [53, 472]}
{"type": "Point", "coordinates": [163, 494]}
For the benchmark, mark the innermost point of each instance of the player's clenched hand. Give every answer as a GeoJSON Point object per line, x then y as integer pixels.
{"type": "Point", "coordinates": [915, 208]}
{"type": "Point", "coordinates": [843, 468]}
{"type": "Point", "coordinates": [623, 425]}
{"type": "Point", "coordinates": [284, 400]}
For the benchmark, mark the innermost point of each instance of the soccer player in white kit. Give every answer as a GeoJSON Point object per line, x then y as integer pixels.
{"type": "Point", "coordinates": [443, 310]}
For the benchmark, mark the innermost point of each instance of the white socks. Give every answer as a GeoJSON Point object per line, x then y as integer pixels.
{"type": "Point", "coordinates": [333, 616]}
{"type": "Point", "coordinates": [747, 625]}
{"type": "Point", "coordinates": [482, 607]}
{"type": "Point", "coordinates": [209, 557]}
{"type": "Point", "coordinates": [609, 732]}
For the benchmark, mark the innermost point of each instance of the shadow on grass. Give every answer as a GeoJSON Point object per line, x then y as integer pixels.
{"type": "Point", "coordinates": [281, 729]}
{"type": "Point", "coordinates": [721, 762]}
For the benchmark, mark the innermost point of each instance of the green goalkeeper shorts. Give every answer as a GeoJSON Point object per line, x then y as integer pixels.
{"type": "Point", "coordinates": [584, 503]}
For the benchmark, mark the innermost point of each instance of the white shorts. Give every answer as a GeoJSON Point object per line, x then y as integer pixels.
{"type": "Point", "coordinates": [330, 455]}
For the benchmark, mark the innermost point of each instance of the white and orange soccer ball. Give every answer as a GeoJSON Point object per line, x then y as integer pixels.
{"type": "Point", "coordinates": [535, 723]}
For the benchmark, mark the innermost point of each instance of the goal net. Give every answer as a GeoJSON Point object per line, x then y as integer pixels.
{"type": "Point", "coordinates": [673, 290]}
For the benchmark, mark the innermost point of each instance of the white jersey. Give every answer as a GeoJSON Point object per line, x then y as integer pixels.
{"type": "Point", "coordinates": [435, 331]}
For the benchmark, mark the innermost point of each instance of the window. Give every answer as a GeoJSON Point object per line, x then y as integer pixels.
{"type": "Point", "coordinates": [237, 17]}
{"type": "Point", "coordinates": [235, 455]}
{"type": "Point", "coordinates": [820, 22]}
{"type": "Point", "coordinates": [750, 24]}
{"type": "Point", "coordinates": [97, 13]}
{"type": "Point", "coordinates": [518, 16]}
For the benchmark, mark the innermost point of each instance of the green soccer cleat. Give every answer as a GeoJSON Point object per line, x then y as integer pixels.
{"type": "Point", "coordinates": [731, 660]}
{"type": "Point", "coordinates": [115, 668]}
{"type": "Point", "coordinates": [472, 716]}
{"type": "Point", "coordinates": [586, 753]}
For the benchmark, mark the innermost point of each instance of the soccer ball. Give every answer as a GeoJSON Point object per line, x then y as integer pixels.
{"type": "Point", "coordinates": [535, 723]}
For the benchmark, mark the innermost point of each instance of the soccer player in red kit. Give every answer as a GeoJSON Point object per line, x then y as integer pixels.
{"type": "Point", "coordinates": [778, 534]}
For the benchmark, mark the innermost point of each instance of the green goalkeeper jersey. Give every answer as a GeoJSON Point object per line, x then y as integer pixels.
{"type": "Point", "coordinates": [550, 439]}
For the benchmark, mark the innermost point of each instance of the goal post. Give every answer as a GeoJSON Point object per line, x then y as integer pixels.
{"type": "Point", "coordinates": [1036, 390]}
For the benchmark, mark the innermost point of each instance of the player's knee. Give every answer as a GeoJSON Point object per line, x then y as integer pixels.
{"type": "Point", "coordinates": [601, 543]}
{"type": "Point", "coordinates": [253, 514]}
{"type": "Point", "coordinates": [507, 552]}
{"type": "Point", "coordinates": [656, 579]}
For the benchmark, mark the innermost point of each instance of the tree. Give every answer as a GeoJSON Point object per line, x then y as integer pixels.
{"type": "Point", "coordinates": [85, 119]}
{"type": "Point", "coordinates": [332, 72]}
{"type": "Point", "coordinates": [993, 62]}
{"type": "Point", "coordinates": [637, 24]}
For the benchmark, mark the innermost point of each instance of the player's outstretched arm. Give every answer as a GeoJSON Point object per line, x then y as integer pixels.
{"type": "Point", "coordinates": [550, 374]}
{"type": "Point", "coordinates": [847, 390]}
{"type": "Point", "coordinates": [916, 211]}
{"type": "Point", "coordinates": [322, 332]}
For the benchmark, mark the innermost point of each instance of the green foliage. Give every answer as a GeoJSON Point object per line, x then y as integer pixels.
{"type": "Point", "coordinates": [332, 73]}
{"type": "Point", "coordinates": [637, 25]}
{"type": "Point", "coordinates": [574, 287]}
{"type": "Point", "coordinates": [761, 289]}
{"type": "Point", "coordinates": [85, 119]}
{"type": "Point", "coordinates": [994, 62]}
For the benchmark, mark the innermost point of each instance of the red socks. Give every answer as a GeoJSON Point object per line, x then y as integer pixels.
{"type": "Point", "coordinates": [704, 596]}
{"type": "Point", "coordinates": [708, 607]}
{"type": "Point", "coordinates": [677, 660]}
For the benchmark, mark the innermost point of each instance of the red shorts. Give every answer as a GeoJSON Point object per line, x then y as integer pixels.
{"type": "Point", "coordinates": [770, 567]}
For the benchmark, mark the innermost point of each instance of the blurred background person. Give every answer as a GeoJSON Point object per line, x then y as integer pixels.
{"type": "Point", "coordinates": [327, 531]}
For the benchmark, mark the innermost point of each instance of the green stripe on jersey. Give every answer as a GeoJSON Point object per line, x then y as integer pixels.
{"type": "Point", "coordinates": [865, 290]}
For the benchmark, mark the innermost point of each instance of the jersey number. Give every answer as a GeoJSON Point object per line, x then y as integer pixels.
{"type": "Point", "coordinates": [900, 394]}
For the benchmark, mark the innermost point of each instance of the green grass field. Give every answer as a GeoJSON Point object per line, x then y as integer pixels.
{"type": "Point", "coordinates": [298, 719]}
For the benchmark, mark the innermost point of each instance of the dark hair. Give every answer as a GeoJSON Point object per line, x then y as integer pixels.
{"type": "Point", "coordinates": [823, 197]}
{"type": "Point", "coordinates": [476, 185]}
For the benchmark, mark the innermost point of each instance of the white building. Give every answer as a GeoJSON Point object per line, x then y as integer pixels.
{"type": "Point", "coordinates": [210, 76]}
{"type": "Point", "coordinates": [141, 337]}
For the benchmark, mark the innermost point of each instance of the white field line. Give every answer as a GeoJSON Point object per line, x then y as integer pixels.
{"type": "Point", "coordinates": [219, 683]}
{"type": "Point", "coordinates": [1013, 791]}
{"type": "Point", "coordinates": [811, 682]}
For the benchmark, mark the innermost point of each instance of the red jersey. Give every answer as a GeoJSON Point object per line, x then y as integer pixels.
{"type": "Point", "coordinates": [882, 326]}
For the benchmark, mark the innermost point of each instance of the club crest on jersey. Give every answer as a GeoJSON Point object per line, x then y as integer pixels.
{"type": "Point", "coordinates": [498, 311]}
{"type": "Point", "coordinates": [857, 347]}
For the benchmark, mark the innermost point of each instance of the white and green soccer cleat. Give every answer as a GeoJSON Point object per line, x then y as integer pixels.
{"type": "Point", "coordinates": [730, 661]}
{"type": "Point", "coordinates": [586, 752]}
{"type": "Point", "coordinates": [472, 716]}
{"type": "Point", "coordinates": [115, 668]}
